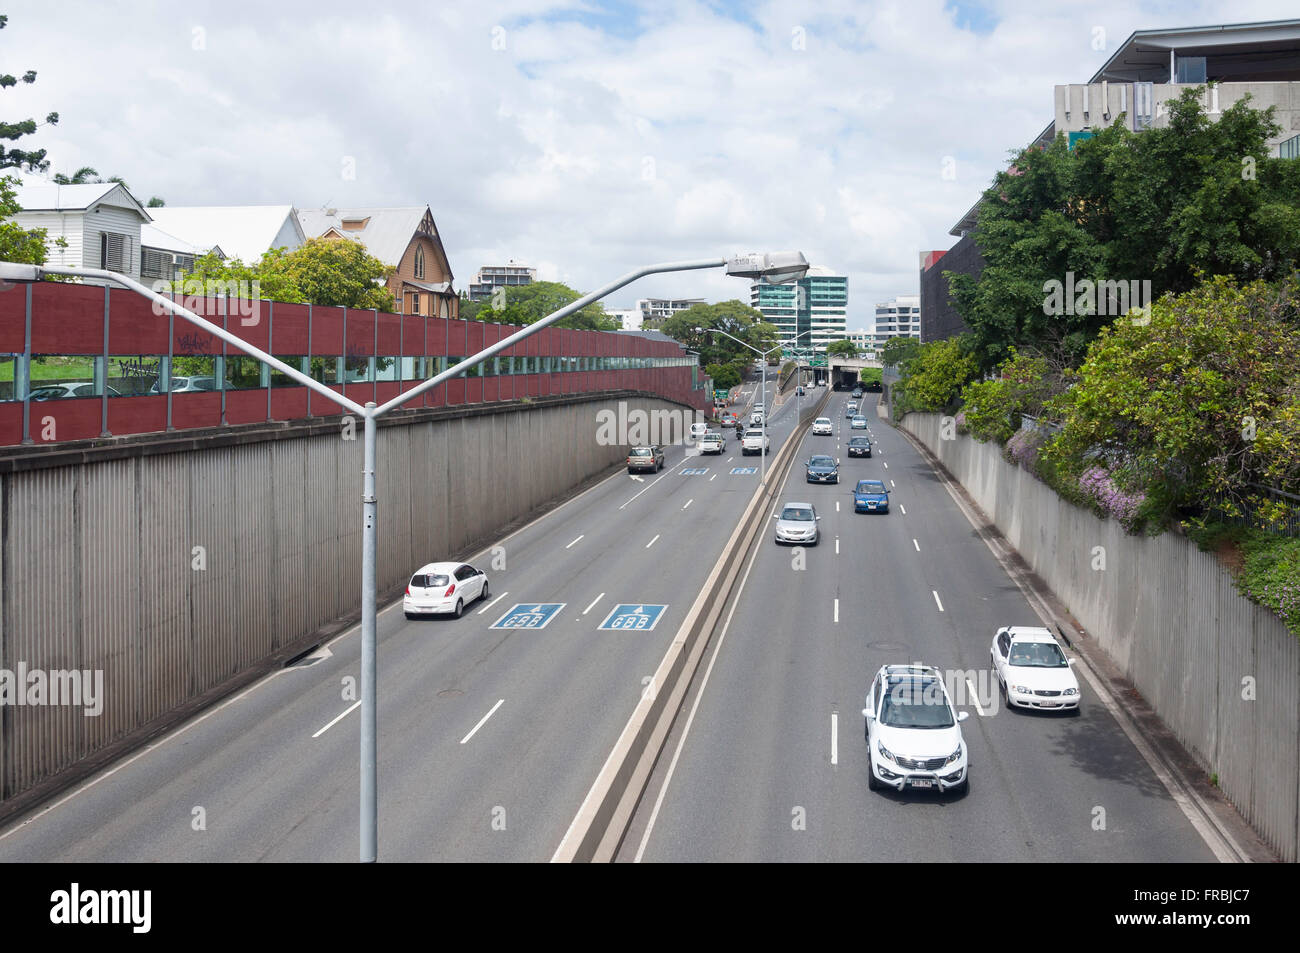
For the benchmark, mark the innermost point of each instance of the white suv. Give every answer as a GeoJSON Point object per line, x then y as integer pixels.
{"type": "Point", "coordinates": [913, 732]}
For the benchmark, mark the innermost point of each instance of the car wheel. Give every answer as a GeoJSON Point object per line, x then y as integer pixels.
{"type": "Point", "coordinates": [410, 615]}
{"type": "Point", "coordinates": [872, 783]}
{"type": "Point", "coordinates": [484, 594]}
{"type": "Point", "coordinates": [460, 608]}
{"type": "Point", "coordinates": [963, 789]}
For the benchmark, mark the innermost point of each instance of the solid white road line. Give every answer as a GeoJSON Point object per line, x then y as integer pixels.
{"type": "Point", "coordinates": [976, 696]}
{"type": "Point", "coordinates": [652, 542]}
{"type": "Point", "coordinates": [597, 599]}
{"type": "Point", "coordinates": [493, 602]}
{"type": "Point", "coordinates": [482, 720]}
{"type": "Point", "coordinates": [354, 706]}
{"type": "Point", "coordinates": [835, 738]}
{"type": "Point", "coordinates": [916, 544]}
{"type": "Point", "coordinates": [936, 599]}
{"type": "Point", "coordinates": [571, 544]}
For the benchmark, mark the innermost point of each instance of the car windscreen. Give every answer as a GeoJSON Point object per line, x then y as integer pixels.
{"type": "Point", "coordinates": [1037, 655]}
{"type": "Point", "coordinates": [821, 461]}
{"type": "Point", "coordinates": [641, 452]}
{"type": "Point", "coordinates": [871, 486]}
{"type": "Point", "coordinates": [429, 580]}
{"type": "Point", "coordinates": [797, 513]}
{"type": "Point", "coordinates": [913, 703]}
{"type": "Point", "coordinates": [859, 442]}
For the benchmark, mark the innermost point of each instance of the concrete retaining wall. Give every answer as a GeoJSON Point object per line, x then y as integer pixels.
{"type": "Point", "coordinates": [1172, 621]}
{"type": "Point", "coordinates": [180, 572]}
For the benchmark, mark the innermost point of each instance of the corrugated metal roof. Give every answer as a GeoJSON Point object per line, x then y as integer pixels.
{"type": "Point", "coordinates": [386, 236]}
{"type": "Point", "coordinates": [151, 236]}
{"type": "Point", "coordinates": [73, 198]}
{"type": "Point", "coordinates": [243, 231]}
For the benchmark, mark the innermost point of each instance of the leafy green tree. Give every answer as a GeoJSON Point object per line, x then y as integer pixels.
{"type": "Point", "coordinates": [231, 272]}
{"type": "Point", "coordinates": [332, 272]}
{"type": "Point", "coordinates": [936, 374]}
{"type": "Point", "coordinates": [155, 202]}
{"type": "Point", "coordinates": [528, 304]}
{"type": "Point", "coordinates": [1021, 385]}
{"type": "Point", "coordinates": [1162, 206]}
{"type": "Point", "coordinates": [733, 317]}
{"type": "Point", "coordinates": [18, 244]}
{"type": "Point", "coordinates": [725, 376]}
{"type": "Point", "coordinates": [33, 160]}
{"type": "Point", "coordinates": [469, 308]}
{"type": "Point", "coordinates": [1197, 409]}
{"type": "Point", "coordinates": [898, 350]}
{"type": "Point", "coordinates": [847, 348]}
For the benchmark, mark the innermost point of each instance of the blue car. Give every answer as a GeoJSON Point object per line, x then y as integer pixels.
{"type": "Point", "coordinates": [870, 496]}
{"type": "Point", "coordinates": [823, 469]}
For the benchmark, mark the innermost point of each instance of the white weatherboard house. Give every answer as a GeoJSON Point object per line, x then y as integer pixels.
{"type": "Point", "coordinates": [245, 232]}
{"type": "Point", "coordinates": [99, 223]}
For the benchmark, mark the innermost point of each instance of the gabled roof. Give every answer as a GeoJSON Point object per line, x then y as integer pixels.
{"type": "Point", "coordinates": [151, 236]}
{"type": "Point", "coordinates": [76, 198]}
{"type": "Point", "coordinates": [387, 233]}
{"type": "Point", "coordinates": [243, 231]}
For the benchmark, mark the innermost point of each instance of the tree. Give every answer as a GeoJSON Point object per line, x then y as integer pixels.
{"type": "Point", "coordinates": [733, 317]}
{"type": "Point", "coordinates": [845, 347]}
{"type": "Point", "coordinates": [33, 160]}
{"type": "Point", "coordinates": [1197, 409]}
{"type": "Point", "coordinates": [154, 202]}
{"type": "Point", "coordinates": [528, 304]}
{"type": "Point", "coordinates": [336, 272]}
{"type": "Point", "coordinates": [1023, 382]}
{"type": "Point", "coordinates": [936, 374]}
{"type": "Point", "coordinates": [725, 376]}
{"type": "Point", "coordinates": [898, 350]}
{"type": "Point", "coordinates": [17, 244]}
{"type": "Point", "coordinates": [211, 271]}
{"type": "Point", "coordinates": [469, 308]}
{"type": "Point", "coordinates": [1069, 237]}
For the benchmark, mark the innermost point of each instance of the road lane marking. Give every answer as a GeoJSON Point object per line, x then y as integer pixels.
{"type": "Point", "coordinates": [936, 599]}
{"type": "Point", "coordinates": [652, 542]}
{"type": "Point", "coordinates": [837, 545]}
{"type": "Point", "coordinates": [354, 706]}
{"type": "Point", "coordinates": [688, 503]}
{"type": "Point", "coordinates": [916, 544]}
{"type": "Point", "coordinates": [571, 544]}
{"type": "Point", "coordinates": [597, 599]}
{"type": "Point", "coordinates": [837, 506]}
{"type": "Point", "coordinates": [482, 720]}
{"type": "Point", "coordinates": [835, 738]}
{"type": "Point", "coordinates": [975, 696]}
{"type": "Point", "coordinates": [493, 602]}
{"type": "Point", "coordinates": [903, 508]}
{"type": "Point", "coordinates": [884, 464]}
{"type": "Point", "coordinates": [712, 478]}
{"type": "Point", "coordinates": [837, 610]}
{"type": "Point", "coordinates": [891, 483]}
{"type": "Point", "coordinates": [651, 483]}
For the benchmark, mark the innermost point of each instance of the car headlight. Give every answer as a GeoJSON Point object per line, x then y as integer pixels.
{"type": "Point", "coordinates": [1070, 691]}
{"type": "Point", "coordinates": [1022, 689]}
{"type": "Point", "coordinates": [954, 756]}
{"type": "Point", "coordinates": [884, 752]}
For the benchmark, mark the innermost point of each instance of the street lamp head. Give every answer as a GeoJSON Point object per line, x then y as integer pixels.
{"type": "Point", "coordinates": [774, 267]}
{"type": "Point", "coordinates": [12, 271]}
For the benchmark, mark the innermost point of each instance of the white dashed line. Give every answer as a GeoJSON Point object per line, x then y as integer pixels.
{"type": "Point", "coordinates": [652, 542]}
{"type": "Point", "coordinates": [903, 508]}
{"type": "Point", "coordinates": [493, 602]}
{"type": "Point", "coordinates": [597, 599]}
{"type": "Point", "coordinates": [837, 545]}
{"type": "Point", "coordinates": [837, 610]}
{"type": "Point", "coordinates": [917, 545]}
{"type": "Point", "coordinates": [688, 503]}
{"type": "Point", "coordinates": [571, 544]}
{"type": "Point", "coordinates": [936, 599]}
{"type": "Point", "coordinates": [482, 720]}
{"type": "Point", "coordinates": [835, 738]}
{"type": "Point", "coordinates": [352, 708]}
{"type": "Point", "coordinates": [975, 697]}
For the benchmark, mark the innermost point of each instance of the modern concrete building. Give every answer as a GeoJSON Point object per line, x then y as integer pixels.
{"type": "Point", "coordinates": [654, 311]}
{"type": "Point", "coordinates": [817, 303]}
{"type": "Point", "coordinates": [629, 318]}
{"type": "Point", "coordinates": [898, 317]}
{"type": "Point", "coordinates": [1146, 72]}
{"type": "Point", "coordinates": [491, 277]}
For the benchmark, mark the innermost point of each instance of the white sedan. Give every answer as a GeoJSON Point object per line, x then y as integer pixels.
{"type": "Point", "coordinates": [1033, 670]}
{"type": "Point", "coordinates": [439, 588]}
{"type": "Point", "coordinates": [913, 733]}
{"type": "Point", "coordinates": [822, 427]}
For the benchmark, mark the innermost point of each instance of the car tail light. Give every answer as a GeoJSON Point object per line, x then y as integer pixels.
{"type": "Point", "coordinates": [408, 590]}
{"type": "Point", "coordinates": [450, 590]}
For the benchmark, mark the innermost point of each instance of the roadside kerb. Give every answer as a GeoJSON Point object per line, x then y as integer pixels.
{"type": "Point", "coordinates": [602, 820]}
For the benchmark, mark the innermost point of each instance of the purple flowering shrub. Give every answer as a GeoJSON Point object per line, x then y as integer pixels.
{"type": "Point", "coordinates": [1022, 449]}
{"type": "Point", "coordinates": [1119, 504]}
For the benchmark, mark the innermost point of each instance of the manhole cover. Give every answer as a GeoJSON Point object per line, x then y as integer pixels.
{"type": "Point", "coordinates": [450, 693]}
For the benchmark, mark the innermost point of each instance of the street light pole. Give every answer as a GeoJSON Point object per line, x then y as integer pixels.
{"type": "Point", "coordinates": [774, 266]}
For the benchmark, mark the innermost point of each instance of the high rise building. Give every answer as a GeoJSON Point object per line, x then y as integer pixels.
{"type": "Point", "coordinates": [900, 317]}
{"type": "Point", "coordinates": [654, 311]}
{"type": "Point", "coordinates": [817, 304]}
{"type": "Point", "coordinates": [491, 277]}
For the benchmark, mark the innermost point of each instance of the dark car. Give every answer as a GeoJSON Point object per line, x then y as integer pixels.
{"type": "Point", "coordinates": [870, 496]}
{"type": "Point", "coordinates": [859, 446]}
{"type": "Point", "coordinates": [823, 469]}
{"type": "Point", "coordinates": [645, 458]}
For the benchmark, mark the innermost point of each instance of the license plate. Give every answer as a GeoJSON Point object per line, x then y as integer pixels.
{"type": "Point", "coordinates": [921, 783]}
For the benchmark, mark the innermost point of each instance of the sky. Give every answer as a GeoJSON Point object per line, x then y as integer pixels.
{"type": "Point", "coordinates": [585, 139]}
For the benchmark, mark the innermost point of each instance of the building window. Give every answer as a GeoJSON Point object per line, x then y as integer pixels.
{"type": "Point", "coordinates": [1191, 69]}
{"type": "Point", "coordinates": [114, 252]}
{"type": "Point", "coordinates": [419, 265]}
{"type": "Point", "coordinates": [415, 303]}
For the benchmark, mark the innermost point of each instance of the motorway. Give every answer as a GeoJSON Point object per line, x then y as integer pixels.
{"type": "Point", "coordinates": [490, 738]}
{"type": "Point", "coordinates": [773, 766]}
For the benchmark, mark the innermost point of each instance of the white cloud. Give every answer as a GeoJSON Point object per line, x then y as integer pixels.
{"type": "Point", "coordinates": [545, 132]}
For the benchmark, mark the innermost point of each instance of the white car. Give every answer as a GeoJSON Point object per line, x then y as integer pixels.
{"type": "Point", "coordinates": [756, 419]}
{"type": "Point", "coordinates": [438, 588]}
{"type": "Point", "coordinates": [797, 523]}
{"type": "Point", "coordinates": [712, 442]}
{"type": "Point", "coordinates": [913, 733]}
{"type": "Point", "coordinates": [1033, 669]}
{"type": "Point", "coordinates": [755, 441]}
{"type": "Point", "coordinates": [821, 427]}
{"type": "Point", "coordinates": [698, 431]}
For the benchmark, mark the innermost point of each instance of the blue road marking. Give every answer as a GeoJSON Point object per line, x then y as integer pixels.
{"type": "Point", "coordinates": [743, 471]}
{"type": "Point", "coordinates": [695, 471]}
{"type": "Point", "coordinates": [636, 616]}
{"type": "Point", "coordinates": [528, 615]}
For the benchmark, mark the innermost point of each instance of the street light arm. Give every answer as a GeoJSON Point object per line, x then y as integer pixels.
{"type": "Point", "coordinates": [550, 319]}
{"type": "Point", "coordinates": [214, 329]}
